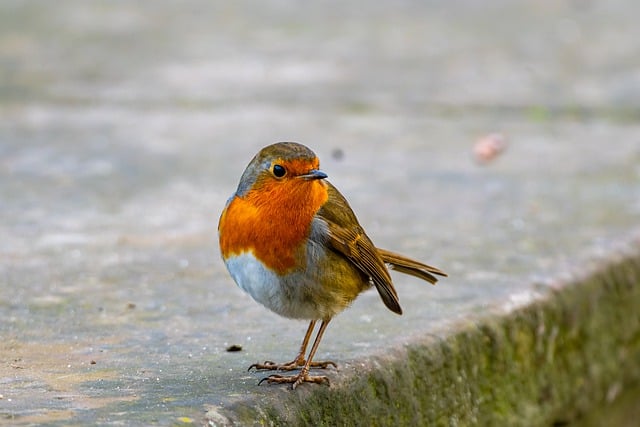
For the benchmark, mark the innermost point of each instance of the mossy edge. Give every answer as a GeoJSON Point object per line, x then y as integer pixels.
{"type": "Point", "coordinates": [546, 363]}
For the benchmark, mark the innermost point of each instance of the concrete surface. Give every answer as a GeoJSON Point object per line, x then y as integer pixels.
{"type": "Point", "coordinates": [125, 126]}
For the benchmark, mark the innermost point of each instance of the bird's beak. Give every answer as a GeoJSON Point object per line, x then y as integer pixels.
{"type": "Point", "coordinates": [314, 174]}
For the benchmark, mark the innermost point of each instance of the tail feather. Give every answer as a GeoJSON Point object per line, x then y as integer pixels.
{"type": "Point", "coordinates": [411, 267]}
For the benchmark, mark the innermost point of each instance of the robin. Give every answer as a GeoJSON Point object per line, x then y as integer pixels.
{"type": "Point", "coordinates": [291, 241]}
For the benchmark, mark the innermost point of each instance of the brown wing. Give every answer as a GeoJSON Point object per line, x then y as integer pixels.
{"type": "Point", "coordinates": [346, 236]}
{"type": "Point", "coordinates": [356, 246]}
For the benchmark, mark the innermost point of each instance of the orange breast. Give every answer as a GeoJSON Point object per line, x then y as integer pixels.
{"type": "Point", "coordinates": [273, 222]}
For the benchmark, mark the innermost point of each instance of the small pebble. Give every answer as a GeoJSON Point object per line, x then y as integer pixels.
{"type": "Point", "coordinates": [488, 147]}
{"type": "Point", "coordinates": [234, 347]}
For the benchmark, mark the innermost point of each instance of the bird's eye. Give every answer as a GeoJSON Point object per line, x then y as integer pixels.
{"type": "Point", "coordinates": [279, 171]}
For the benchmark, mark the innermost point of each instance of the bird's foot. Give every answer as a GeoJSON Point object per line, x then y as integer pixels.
{"type": "Point", "coordinates": [295, 380]}
{"type": "Point", "coordinates": [295, 364]}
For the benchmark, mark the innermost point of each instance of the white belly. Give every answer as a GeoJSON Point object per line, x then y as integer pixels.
{"type": "Point", "coordinates": [288, 296]}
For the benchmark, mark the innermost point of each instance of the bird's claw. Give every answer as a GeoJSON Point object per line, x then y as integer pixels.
{"type": "Point", "coordinates": [324, 364]}
{"type": "Point", "coordinates": [268, 365]}
{"type": "Point", "coordinates": [295, 380]}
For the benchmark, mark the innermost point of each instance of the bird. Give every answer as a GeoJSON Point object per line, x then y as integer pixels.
{"type": "Point", "coordinates": [291, 241]}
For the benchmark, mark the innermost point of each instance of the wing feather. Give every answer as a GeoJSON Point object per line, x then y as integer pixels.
{"type": "Point", "coordinates": [345, 235]}
{"type": "Point", "coordinates": [354, 244]}
{"type": "Point", "coordinates": [342, 233]}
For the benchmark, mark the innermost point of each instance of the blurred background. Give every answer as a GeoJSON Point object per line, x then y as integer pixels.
{"type": "Point", "coordinates": [499, 140]}
{"type": "Point", "coordinates": [149, 111]}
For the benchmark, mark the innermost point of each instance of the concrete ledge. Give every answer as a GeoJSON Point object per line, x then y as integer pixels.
{"type": "Point", "coordinates": [124, 127]}
{"type": "Point", "coordinates": [548, 362]}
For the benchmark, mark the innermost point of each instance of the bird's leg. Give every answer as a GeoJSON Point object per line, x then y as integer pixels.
{"type": "Point", "coordinates": [296, 363]}
{"type": "Point", "coordinates": [303, 376]}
